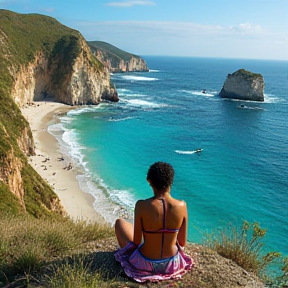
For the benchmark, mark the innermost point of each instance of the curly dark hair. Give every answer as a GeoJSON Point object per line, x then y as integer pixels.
{"type": "Point", "coordinates": [161, 175]}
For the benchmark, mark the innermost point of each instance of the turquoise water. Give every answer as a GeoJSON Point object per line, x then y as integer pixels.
{"type": "Point", "coordinates": [163, 115]}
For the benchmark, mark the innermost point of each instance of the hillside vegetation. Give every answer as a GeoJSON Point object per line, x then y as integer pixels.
{"type": "Point", "coordinates": [115, 59]}
{"type": "Point", "coordinates": [21, 38]}
{"type": "Point", "coordinates": [59, 253]}
{"type": "Point", "coordinates": [113, 52]}
{"type": "Point", "coordinates": [39, 247]}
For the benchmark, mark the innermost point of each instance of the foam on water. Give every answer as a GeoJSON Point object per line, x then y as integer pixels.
{"type": "Point", "coordinates": [235, 141]}
{"type": "Point", "coordinates": [128, 94]}
{"type": "Point", "coordinates": [135, 95]}
{"type": "Point", "coordinates": [123, 197]}
{"type": "Point", "coordinates": [269, 98]}
{"type": "Point", "coordinates": [90, 182]}
{"type": "Point", "coordinates": [120, 119]}
{"type": "Point", "coordinates": [123, 91]}
{"type": "Point", "coordinates": [138, 78]}
{"type": "Point", "coordinates": [108, 208]}
{"type": "Point", "coordinates": [200, 93]}
{"type": "Point", "coordinates": [144, 103]}
{"type": "Point", "coordinates": [58, 127]}
{"type": "Point", "coordinates": [83, 109]}
{"type": "Point", "coordinates": [70, 137]}
{"type": "Point", "coordinates": [250, 108]}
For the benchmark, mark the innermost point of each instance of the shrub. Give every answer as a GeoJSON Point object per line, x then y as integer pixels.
{"type": "Point", "coordinates": [243, 246]}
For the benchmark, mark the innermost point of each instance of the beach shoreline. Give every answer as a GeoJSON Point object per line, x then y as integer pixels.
{"type": "Point", "coordinates": [52, 166]}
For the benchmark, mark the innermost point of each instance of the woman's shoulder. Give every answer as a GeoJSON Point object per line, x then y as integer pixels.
{"type": "Point", "coordinates": [179, 202]}
{"type": "Point", "coordinates": [143, 202]}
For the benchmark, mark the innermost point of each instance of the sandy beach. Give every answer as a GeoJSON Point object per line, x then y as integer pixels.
{"type": "Point", "coordinates": [52, 165]}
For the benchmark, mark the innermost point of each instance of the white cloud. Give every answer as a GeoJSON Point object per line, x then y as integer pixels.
{"type": "Point", "coordinates": [131, 3]}
{"type": "Point", "coordinates": [246, 28]}
{"type": "Point", "coordinates": [173, 30]}
{"type": "Point", "coordinates": [188, 39]}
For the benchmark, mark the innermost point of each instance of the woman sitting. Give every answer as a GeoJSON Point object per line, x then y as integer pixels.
{"type": "Point", "coordinates": [162, 222]}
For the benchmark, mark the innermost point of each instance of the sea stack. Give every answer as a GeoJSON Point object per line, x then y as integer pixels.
{"type": "Point", "coordinates": [243, 85]}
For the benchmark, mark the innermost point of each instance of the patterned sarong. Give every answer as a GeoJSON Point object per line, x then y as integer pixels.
{"type": "Point", "coordinates": [143, 269]}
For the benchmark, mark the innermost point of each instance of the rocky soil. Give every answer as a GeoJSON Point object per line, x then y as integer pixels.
{"type": "Point", "coordinates": [210, 269]}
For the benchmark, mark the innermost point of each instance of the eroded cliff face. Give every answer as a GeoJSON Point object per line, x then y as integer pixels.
{"type": "Point", "coordinates": [81, 81]}
{"type": "Point", "coordinates": [30, 81]}
{"type": "Point", "coordinates": [16, 173]}
{"type": "Point", "coordinates": [136, 64]}
{"type": "Point", "coordinates": [114, 65]}
{"type": "Point", "coordinates": [243, 85]}
{"type": "Point", "coordinates": [10, 173]}
{"type": "Point", "coordinates": [68, 74]}
{"type": "Point", "coordinates": [39, 59]}
{"type": "Point", "coordinates": [26, 142]}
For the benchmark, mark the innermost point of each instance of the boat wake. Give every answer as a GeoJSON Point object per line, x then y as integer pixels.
{"type": "Point", "coordinates": [200, 92]}
{"type": "Point", "coordinates": [242, 106]}
{"type": "Point", "coordinates": [189, 152]}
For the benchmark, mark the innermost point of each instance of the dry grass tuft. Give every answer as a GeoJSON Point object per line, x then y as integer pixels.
{"type": "Point", "coordinates": [243, 246]}
{"type": "Point", "coordinates": [27, 244]}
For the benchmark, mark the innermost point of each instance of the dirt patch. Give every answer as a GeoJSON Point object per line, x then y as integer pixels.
{"type": "Point", "coordinates": [210, 269]}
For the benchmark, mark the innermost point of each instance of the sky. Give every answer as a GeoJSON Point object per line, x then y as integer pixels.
{"type": "Point", "coordinates": [246, 29]}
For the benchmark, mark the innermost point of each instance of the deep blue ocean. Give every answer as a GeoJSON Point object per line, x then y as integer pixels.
{"type": "Point", "coordinates": [162, 115]}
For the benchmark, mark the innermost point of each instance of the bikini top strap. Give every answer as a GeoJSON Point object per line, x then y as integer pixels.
{"type": "Point", "coordinates": [164, 229]}
{"type": "Point", "coordinates": [164, 226]}
{"type": "Point", "coordinates": [164, 214]}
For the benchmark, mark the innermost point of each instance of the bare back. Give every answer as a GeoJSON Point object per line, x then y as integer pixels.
{"type": "Point", "coordinates": [150, 216]}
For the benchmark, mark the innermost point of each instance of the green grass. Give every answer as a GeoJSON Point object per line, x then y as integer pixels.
{"type": "Point", "coordinates": [28, 244]}
{"type": "Point", "coordinates": [9, 203]}
{"type": "Point", "coordinates": [65, 50]}
{"type": "Point", "coordinates": [245, 247]}
{"type": "Point", "coordinates": [22, 37]}
{"type": "Point", "coordinates": [60, 253]}
{"type": "Point", "coordinates": [26, 37]}
{"type": "Point", "coordinates": [74, 274]}
{"type": "Point", "coordinates": [247, 74]}
{"type": "Point", "coordinates": [114, 53]}
{"type": "Point", "coordinates": [38, 195]}
{"type": "Point", "coordinates": [12, 123]}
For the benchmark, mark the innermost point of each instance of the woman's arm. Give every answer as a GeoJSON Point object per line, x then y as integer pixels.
{"type": "Point", "coordinates": [137, 238]}
{"type": "Point", "coordinates": [182, 234]}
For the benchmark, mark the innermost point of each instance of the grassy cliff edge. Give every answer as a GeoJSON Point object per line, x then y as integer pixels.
{"type": "Point", "coordinates": [56, 252]}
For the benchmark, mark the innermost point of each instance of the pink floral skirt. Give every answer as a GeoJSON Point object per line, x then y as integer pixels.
{"type": "Point", "coordinates": [143, 269]}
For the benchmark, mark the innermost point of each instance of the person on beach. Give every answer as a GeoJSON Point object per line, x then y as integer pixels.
{"type": "Point", "coordinates": [161, 221]}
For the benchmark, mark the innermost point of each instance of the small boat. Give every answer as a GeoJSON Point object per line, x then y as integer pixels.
{"type": "Point", "coordinates": [198, 150]}
{"type": "Point", "coordinates": [203, 91]}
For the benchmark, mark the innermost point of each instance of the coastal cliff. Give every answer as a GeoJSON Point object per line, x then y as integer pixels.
{"type": "Point", "coordinates": [243, 85]}
{"type": "Point", "coordinates": [69, 74]}
{"type": "Point", "coordinates": [39, 59]}
{"type": "Point", "coordinates": [115, 59]}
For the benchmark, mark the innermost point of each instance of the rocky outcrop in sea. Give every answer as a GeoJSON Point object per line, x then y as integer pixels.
{"type": "Point", "coordinates": [243, 85]}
